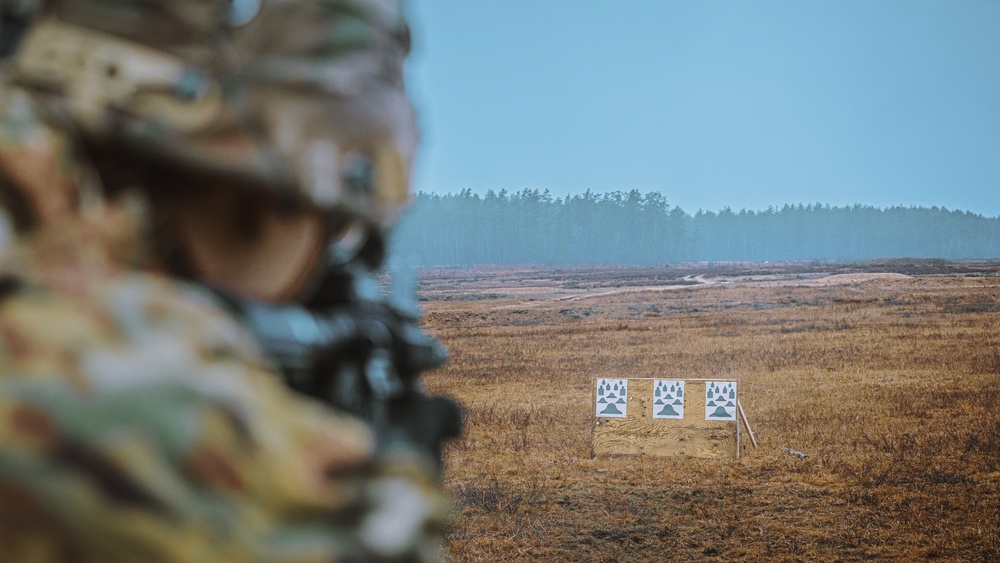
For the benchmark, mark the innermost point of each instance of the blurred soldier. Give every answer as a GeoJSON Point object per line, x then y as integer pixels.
{"type": "Point", "coordinates": [195, 197]}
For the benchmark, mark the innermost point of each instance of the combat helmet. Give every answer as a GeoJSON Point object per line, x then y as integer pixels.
{"type": "Point", "coordinates": [297, 103]}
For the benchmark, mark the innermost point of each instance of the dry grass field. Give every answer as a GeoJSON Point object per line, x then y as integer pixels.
{"type": "Point", "coordinates": [890, 383]}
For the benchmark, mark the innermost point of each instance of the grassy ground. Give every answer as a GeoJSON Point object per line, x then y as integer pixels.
{"type": "Point", "coordinates": [890, 385]}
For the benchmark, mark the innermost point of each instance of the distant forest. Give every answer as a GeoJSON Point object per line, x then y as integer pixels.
{"type": "Point", "coordinates": [532, 227]}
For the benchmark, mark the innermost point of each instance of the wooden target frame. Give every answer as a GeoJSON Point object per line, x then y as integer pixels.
{"type": "Point", "coordinates": [639, 433]}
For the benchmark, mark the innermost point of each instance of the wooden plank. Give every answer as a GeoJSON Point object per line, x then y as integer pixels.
{"type": "Point", "coordinates": [746, 422]}
{"type": "Point", "coordinates": [738, 445]}
{"type": "Point", "coordinates": [641, 434]}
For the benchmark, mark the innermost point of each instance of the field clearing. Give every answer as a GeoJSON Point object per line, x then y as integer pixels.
{"type": "Point", "coordinates": [889, 379]}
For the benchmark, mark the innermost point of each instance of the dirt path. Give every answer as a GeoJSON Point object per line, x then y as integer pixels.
{"type": "Point", "coordinates": [542, 296]}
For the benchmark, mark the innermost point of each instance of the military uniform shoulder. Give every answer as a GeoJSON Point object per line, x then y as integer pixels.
{"type": "Point", "coordinates": [137, 418]}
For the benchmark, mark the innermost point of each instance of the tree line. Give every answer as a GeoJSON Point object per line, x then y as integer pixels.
{"type": "Point", "coordinates": [532, 227]}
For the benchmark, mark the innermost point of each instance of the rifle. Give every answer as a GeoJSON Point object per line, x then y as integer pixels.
{"type": "Point", "coordinates": [359, 351]}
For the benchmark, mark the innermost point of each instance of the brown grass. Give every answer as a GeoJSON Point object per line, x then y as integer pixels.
{"type": "Point", "coordinates": [891, 386]}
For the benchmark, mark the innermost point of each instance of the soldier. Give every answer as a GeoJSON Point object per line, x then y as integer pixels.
{"type": "Point", "coordinates": [195, 198]}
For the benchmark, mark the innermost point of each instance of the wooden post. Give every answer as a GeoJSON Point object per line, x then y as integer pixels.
{"type": "Point", "coordinates": [737, 435]}
{"type": "Point", "coordinates": [746, 423]}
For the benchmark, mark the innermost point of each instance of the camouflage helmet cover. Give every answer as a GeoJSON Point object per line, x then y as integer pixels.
{"type": "Point", "coordinates": [302, 97]}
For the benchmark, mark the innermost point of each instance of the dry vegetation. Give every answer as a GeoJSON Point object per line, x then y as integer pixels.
{"type": "Point", "coordinates": [890, 385]}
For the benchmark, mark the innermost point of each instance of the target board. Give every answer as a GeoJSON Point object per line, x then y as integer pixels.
{"type": "Point", "coordinates": [665, 417]}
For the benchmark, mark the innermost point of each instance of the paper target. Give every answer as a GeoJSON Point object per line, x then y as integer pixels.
{"type": "Point", "coordinates": [668, 398]}
{"type": "Point", "coordinates": [720, 400]}
{"type": "Point", "coordinates": [612, 397]}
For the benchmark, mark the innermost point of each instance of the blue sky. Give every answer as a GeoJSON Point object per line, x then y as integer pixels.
{"type": "Point", "coordinates": [715, 103]}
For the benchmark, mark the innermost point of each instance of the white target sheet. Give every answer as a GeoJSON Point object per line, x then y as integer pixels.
{"type": "Point", "coordinates": [720, 400]}
{"type": "Point", "coordinates": [612, 398]}
{"type": "Point", "coordinates": [668, 398]}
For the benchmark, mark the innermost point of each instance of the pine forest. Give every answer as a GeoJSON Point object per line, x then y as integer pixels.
{"type": "Point", "coordinates": [622, 228]}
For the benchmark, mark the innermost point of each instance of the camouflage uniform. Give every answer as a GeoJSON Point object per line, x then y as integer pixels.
{"type": "Point", "coordinates": [139, 421]}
